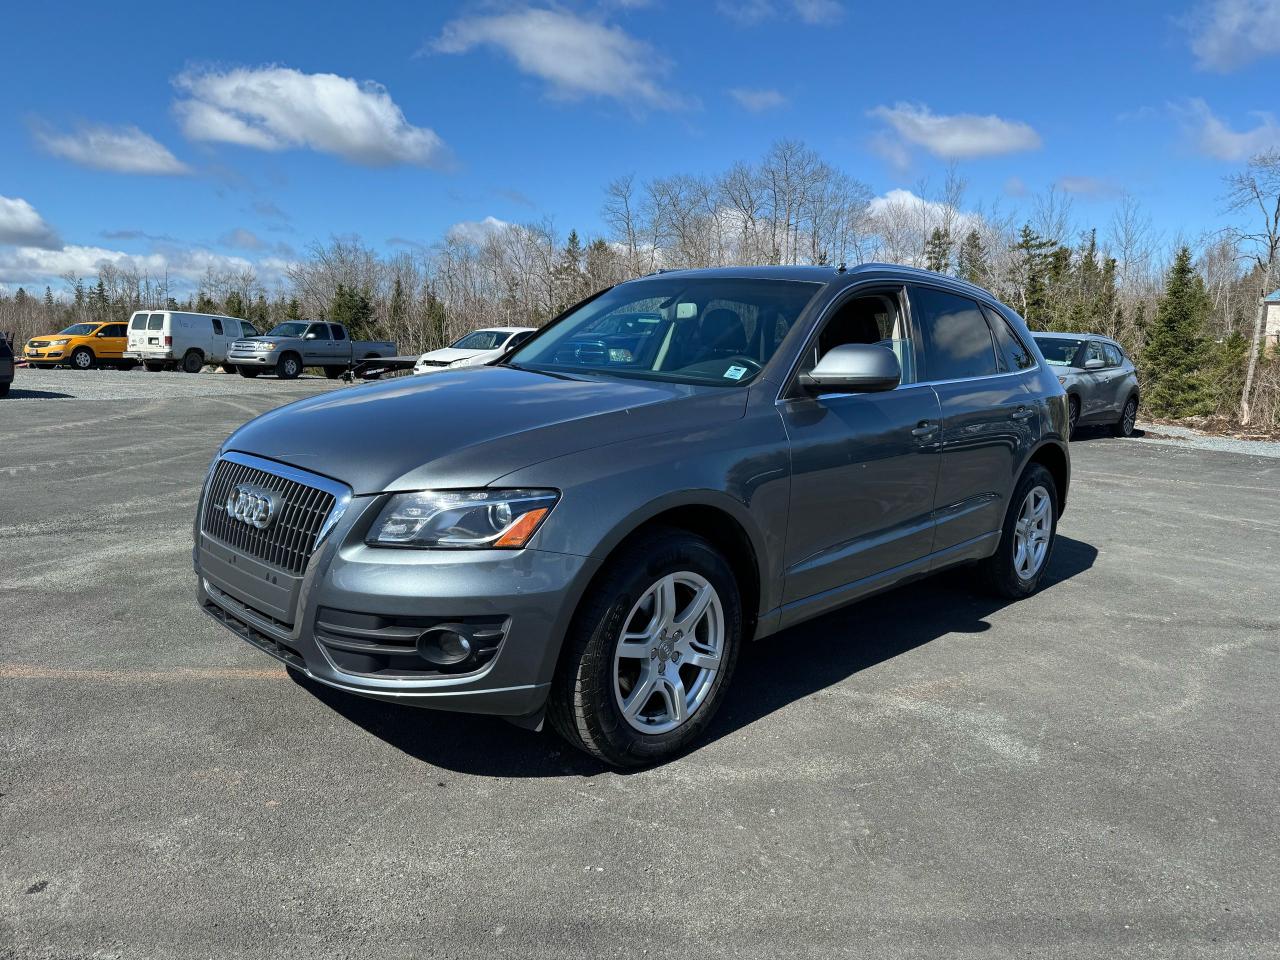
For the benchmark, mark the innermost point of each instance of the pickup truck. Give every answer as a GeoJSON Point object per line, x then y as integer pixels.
{"type": "Point", "coordinates": [295, 344]}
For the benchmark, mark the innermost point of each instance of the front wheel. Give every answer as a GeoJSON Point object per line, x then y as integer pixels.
{"type": "Point", "coordinates": [650, 653]}
{"type": "Point", "coordinates": [82, 358]}
{"type": "Point", "coordinates": [248, 372]}
{"type": "Point", "coordinates": [1128, 418]}
{"type": "Point", "coordinates": [288, 367]}
{"type": "Point", "coordinates": [1030, 526]}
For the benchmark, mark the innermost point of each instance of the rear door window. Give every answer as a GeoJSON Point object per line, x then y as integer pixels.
{"type": "Point", "coordinates": [957, 340]}
{"type": "Point", "coordinates": [338, 332]}
{"type": "Point", "coordinates": [1011, 354]}
{"type": "Point", "coordinates": [156, 322]}
{"type": "Point", "coordinates": [1113, 355]}
{"type": "Point", "coordinates": [139, 322]}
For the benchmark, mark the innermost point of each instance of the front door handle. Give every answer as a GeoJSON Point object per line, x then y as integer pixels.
{"type": "Point", "coordinates": [925, 429]}
{"type": "Point", "coordinates": [1022, 413]}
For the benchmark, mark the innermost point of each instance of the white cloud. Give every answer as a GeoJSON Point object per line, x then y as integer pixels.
{"type": "Point", "coordinates": [576, 56]}
{"type": "Point", "coordinates": [818, 11]}
{"type": "Point", "coordinates": [957, 136]}
{"type": "Point", "coordinates": [1216, 139]}
{"type": "Point", "coordinates": [758, 101]}
{"type": "Point", "coordinates": [118, 149]}
{"type": "Point", "coordinates": [748, 12]}
{"type": "Point", "coordinates": [21, 225]}
{"type": "Point", "coordinates": [1089, 186]}
{"type": "Point", "coordinates": [476, 231]}
{"type": "Point", "coordinates": [276, 108]}
{"type": "Point", "coordinates": [1229, 34]}
{"type": "Point", "coordinates": [33, 265]}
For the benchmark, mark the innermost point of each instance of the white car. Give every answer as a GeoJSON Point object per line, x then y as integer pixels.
{"type": "Point", "coordinates": [477, 347]}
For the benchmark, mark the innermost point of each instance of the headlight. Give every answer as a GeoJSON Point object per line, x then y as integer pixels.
{"type": "Point", "coordinates": [59, 343]}
{"type": "Point", "coordinates": [462, 519]}
{"type": "Point", "coordinates": [262, 346]}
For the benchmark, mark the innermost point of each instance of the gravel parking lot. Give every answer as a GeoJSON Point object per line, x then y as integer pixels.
{"type": "Point", "coordinates": [1092, 772]}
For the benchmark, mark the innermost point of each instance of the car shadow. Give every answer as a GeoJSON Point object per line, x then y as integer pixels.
{"type": "Point", "coordinates": [1087, 433]}
{"type": "Point", "coordinates": [837, 646]}
{"type": "Point", "coordinates": [17, 393]}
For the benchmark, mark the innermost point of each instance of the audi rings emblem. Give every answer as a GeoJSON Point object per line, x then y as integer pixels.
{"type": "Point", "coordinates": [256, 506]}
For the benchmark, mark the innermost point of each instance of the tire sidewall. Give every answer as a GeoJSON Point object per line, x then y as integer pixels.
{"type": "Point", "coordinates": [79, 352]}
{"type": "Point", "coordinates": [187, 366]}
{"type": "Point", "coordinates": [634, 575]}
{"type": "Point", "coordinates": [1034, 476]}
{"type": "Point", "coordinates": [282, 367]}
{"type": "Point", "coordinates": [1123, 428]}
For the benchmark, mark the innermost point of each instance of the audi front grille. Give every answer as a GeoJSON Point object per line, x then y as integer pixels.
{"type": "Point", "coordinates": [308, 508]}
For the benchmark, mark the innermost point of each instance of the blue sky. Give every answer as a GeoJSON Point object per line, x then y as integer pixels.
{"type": "Point", "coordinates": [196, 134]}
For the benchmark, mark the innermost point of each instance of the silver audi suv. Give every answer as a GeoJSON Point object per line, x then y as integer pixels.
{"type": "Point", "coordinates": [588, 529]}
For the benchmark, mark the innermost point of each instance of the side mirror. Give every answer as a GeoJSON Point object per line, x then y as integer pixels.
{"type": "Point", "coordinates": [309, 336]}
{"type": "Point", "coordinates": [854, 368]}
{"type": "Point", "coordinates": [101, 334]}
{"type": "Point", "coordinates": [1094, 364]}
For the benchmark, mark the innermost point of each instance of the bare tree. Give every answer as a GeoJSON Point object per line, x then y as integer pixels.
{"type": "Point", "coordinates": [1256, 190]}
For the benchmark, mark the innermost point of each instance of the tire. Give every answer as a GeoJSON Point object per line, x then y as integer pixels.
{"type": "Point", "coordinates": [1128, 418]}
{"type": "Point", "coordinates": [333, 373]}
{"type": "Point", "coordinates": [82, 358]}
{"type": "Point", "coordinates": [1073, 415]}
{"type": "Point", "coordinates": [192, 361]}
{"type": "Point", "coordinates": [289, 367]}
{"type": "Point", "coordinates": [126, 364]}
{"type": "Point", "coordinates": [4, 389]}
{"type": "Point", "coordinates": [248, 372]}
{"type": "Point", "coordinates": [1008, 573]}
{"type": "Point", "coordinates": [153, 366]}
{"type": "Point", "coordinates": [228, 367]}
{"type": "Point", "coordinates": [592, 684]}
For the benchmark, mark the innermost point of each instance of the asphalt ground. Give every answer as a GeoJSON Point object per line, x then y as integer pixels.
{"type": "Point", "coordinates": [1091, 772]}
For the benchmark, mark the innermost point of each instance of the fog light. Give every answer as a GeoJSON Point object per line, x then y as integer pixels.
{"type": "Point", "coordinates": [444, 645]}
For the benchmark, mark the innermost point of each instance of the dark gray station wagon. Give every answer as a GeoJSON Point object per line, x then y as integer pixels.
{"type": "Point", "coordinates": [589, 529]}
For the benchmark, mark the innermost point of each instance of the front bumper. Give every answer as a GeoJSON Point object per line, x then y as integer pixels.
{"type": "Point", "coordinates": [44, 356]}
{"type": "Point", "coordinates": [253, 359]}
{"type": "Point", "coordinates": [531, 593]}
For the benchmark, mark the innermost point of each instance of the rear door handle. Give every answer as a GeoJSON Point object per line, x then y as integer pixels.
{"type": "Point", "coordinates": [1022, 413]}
{"type": "Point", "coordinates": [925, 429]}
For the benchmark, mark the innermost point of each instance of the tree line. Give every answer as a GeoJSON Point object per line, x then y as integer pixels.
{"type": "Point", "coordinates": [1187, 309]}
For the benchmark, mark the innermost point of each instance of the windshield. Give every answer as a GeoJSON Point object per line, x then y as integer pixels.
{"type": "Point", "coordinates": [483, 340]}
{"type": "Point", "coordinates": [80, 329]}
{"type": "Point", "coordinates": [295, 328]}
{"type": "Point", "coordinates": [1057, 351]}
{"type": "Point", "coordinates": [710, 331]}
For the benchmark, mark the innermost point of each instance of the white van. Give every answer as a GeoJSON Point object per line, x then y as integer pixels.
{"type": "Point", "coordinates": [167, 338]}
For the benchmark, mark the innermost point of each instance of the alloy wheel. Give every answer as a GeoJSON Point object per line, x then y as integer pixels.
{"type": "Point", "coordinates": [1129, 417]}
{"type": "Point", "coordinates": [1031, 532]}
{"type": "Point", "coordinates": [669, 653]}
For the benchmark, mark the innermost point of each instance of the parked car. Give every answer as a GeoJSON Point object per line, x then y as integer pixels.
{"type": "Point", "coordinates": [169, 339]}
{"type": "Point", "coordinates": [592, 538]}
{"type": "Point", "coordinates": [476, 348]}
{"type": "Point", "coordinates": [1099, 377]}
{"type": "Point", "coordinates": [291, 346]}
{"type": "Point", "coordinates": [83, 346]}
{"type": "Point", "coordinates": [6, 365]}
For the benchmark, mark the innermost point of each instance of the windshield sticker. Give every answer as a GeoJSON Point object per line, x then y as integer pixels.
{"type": "Point", "coordinates": [735, 373]}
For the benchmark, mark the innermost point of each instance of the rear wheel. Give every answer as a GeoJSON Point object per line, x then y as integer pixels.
{"type": "Point", "coordinates": [192, 361]}
{"type": "Point", "coordinates": [1128, 418]}
{"type": "Point", "coordinates": [248, 372]}
{"type": "Point", "coordinates": [82, 358]}
{"type": "Point", "coordinates": [1030, 527]}
{"type": "Point", "coordinates": [154, 366]}
{"type": "Point", "coordinates": [289, 367]}
{"type": "Point", "coordinates": [650, 653]}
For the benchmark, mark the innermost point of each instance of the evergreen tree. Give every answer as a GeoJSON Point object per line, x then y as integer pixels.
{"type": "Point", "coordinates": [398, 306]}
{"type": "Point", "coordinates": [294, 310]}
{"type": "Point", "coordinates": [234, 306]}
{"type": "Point", "coordinates": [48, 300]}
{"type": "Point", "coordinates": [1176, 349]}
{"type": "Point", "coordinates": [205, 303]}
{"type": "Point", "coordinates": [354, 310]}
{"type": "Point", "coordinates": [1031, 276]}
{"type": "Point", "coordinates": [937, 251]}
{"type": "Point", "coordinates": [971, 261]}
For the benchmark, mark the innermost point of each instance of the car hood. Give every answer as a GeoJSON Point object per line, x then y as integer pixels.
{"type": "Point", "coordinates": [469, 426]}
{"type": "Point", "coordinates": [274, 341]}
{"type": "Point", "coordinates": [447, 355]}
